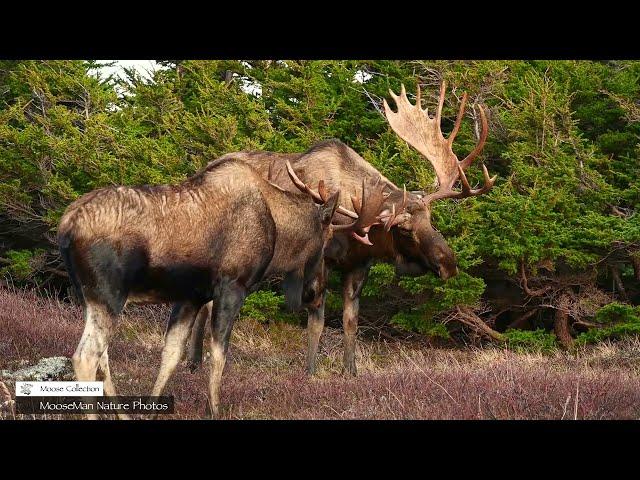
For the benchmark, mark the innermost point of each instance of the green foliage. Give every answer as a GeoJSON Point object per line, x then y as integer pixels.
{"type": "Point", "coordinates": [614, 332]}
{"type": "Point", "coordinates": [463, 289]}
{"type": "Point", "coordinates": [266, 306]}
{"type": "Point", "coordinates": [381, 276]}
{"type": "Point", "coordinates": [22, 264]}
{"type": "Point", "coordinates": [617, 313]}
{"type": "Point", "coordinates": [333, 301]}
{"type": "Point", "coordinates": [536, 341]}
{"type": "Point", "coordinates": [419, 320]}
{"type": "Point", "coordinates": [618, 320]}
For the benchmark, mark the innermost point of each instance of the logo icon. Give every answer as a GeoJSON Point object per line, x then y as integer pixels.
{"type": "Point", "coordinates": [25, 389]}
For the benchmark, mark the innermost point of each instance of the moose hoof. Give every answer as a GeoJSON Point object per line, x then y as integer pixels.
{"type": "Point", "coordinates": [311, 370]}
{"type": "Point", "coordinates": [211, 413]}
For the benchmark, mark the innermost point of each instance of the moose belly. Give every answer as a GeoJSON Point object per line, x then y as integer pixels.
{"type": "Point", "coordinates": [172, 283]}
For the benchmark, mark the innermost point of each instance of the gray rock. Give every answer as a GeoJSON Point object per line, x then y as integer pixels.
{"type": "Point", "coordinates": [50, 368]}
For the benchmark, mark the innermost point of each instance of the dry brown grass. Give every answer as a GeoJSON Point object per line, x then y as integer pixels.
{"type": "Point", "coordinates": [265, 377]}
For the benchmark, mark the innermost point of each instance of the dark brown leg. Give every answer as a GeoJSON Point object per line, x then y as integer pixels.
{"type": "Point", "coordinates": [315, 324]}
{"type": "Point", "coordinates": [194, 353]}
{"type": "Point", "coordinates": [352, 286]}
{"type": "Point", "coordinates": [227, 308]}
{"type": "Point", "coordinates": [175, 339]}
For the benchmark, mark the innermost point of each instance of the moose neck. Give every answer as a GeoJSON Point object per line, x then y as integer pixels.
{"type": "Point", "coordinates": [296, 229]}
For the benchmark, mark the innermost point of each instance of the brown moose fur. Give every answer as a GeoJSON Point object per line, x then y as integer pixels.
{"type": "Point", "coordinates": [212, 237]}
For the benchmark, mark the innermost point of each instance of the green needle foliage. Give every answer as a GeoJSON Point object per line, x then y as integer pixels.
{"type": "Point", "coordinates": [564, 140]}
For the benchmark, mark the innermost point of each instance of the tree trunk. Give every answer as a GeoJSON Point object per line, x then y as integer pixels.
{"type": "Point", "coordinates": [467, 317]}
{"type": "Point", "coordinates": [228, 77]}
{"type": "Point", "coordinates": [615, 273]}
{"type": "Point", "coordinates": [561, 329]}
{"type": "Point", "coordinates": [635, 260]}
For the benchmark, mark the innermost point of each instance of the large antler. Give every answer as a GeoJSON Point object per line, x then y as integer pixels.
{"type": "Point", "coordinates": [414, 125]}
{"type": "Point", "coordinates": [367, 209]}
{"type": "Point", "coordinates": [392, 218]}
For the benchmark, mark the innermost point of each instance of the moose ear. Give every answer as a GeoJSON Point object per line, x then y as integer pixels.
{"type": "Point", "coordinates": [329, 208]}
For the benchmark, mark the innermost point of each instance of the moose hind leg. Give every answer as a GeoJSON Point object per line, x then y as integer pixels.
{"type": "Point", "coordinates": [352, 287]}
{"type": "Point", "coordinates": [228, 305]}
{"type": "Point", "coordinates": [315, 325]}
{"type": "Point", "coordinates": [175, 339]}
{"type": "Point", "coordinates": [194, 353]}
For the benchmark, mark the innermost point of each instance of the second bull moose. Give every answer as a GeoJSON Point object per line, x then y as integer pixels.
{"type": "Point", "coordinates": [403, 234]}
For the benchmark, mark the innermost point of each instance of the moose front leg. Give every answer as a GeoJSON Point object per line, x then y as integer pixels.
{"type": "Point", "coordinates": [194, 354]}
{"type": "Point", "coordinates": [315, 325]}
{"type": "Point", "coordinates": [352, 287]}
{"type": "Point", "coordinates": [227, 305]}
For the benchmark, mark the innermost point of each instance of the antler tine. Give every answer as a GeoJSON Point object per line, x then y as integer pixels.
{"type": "Point", "coordinates": [357, 205]}
{"type": "Point", "coordinates": [346, 212]}
{"type": "Point", "coordinates": [466, 190]}
{"type": "Point", "coordinates": [459, 118]}
{"type": "Point", "coordinates": [374, 204]}
{"type": "Point", "coordinates": [316, 196]}
{"type": "Point", "coordinates": [389, 223]}
{"type": "Point", "coordinates": [301, 185]}
{"type": "Point", "coordinates": [393, 218]}
{"type": "Point", "coordinates": [443, 91]}
{"type": "Point", "coordinates": [322, 191]}
{"type": "Point", "coordinates": [480, 145]}
{"type": "Point", "coordinates": [488, 181]}
{"type": "Point", "coordinates": [369, 208]}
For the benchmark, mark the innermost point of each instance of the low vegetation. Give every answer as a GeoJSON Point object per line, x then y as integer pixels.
{"type": "Point", "coordinates": [399, 378]}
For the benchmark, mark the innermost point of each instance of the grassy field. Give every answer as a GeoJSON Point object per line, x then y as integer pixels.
{"type": "Point", "coordinates": [265, 376]}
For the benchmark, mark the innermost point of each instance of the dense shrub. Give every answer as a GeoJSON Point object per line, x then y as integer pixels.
{"type": "Point", "coordinates": [563, 141]}
{"type": "Point", "coordinates": [617, 321]}
{"type": "Point", "coordinates": [536, 341]}
{"type": "Point", "coordinates": [419, 320]}
{"type": "Point", "coordinates": [617, 313]}
{"type": "Point", "coordinates": [266, 306]}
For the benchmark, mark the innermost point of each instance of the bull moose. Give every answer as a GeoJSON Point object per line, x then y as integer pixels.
{"type": "Point", "coordinates": [213, 237]}
{"type": "Point", "coordinates": [403, 234]}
